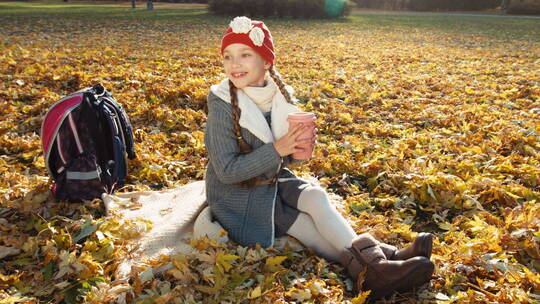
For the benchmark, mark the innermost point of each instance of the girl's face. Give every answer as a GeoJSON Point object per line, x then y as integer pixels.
{"type": "Point", "coordinates": [243, 66]}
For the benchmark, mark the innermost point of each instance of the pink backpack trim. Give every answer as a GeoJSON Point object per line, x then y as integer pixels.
{"type": "Point", "coordinates": [54, 118]}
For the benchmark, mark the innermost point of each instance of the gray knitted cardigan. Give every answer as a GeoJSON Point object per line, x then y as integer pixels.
{"type": "Point", "coordinates": [246, 214]}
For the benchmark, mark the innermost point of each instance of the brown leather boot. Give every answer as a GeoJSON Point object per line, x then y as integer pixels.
{"type": "Point", "coordinates": [422, 246]}
{"type": "Point", "coordinates": [368, 266]}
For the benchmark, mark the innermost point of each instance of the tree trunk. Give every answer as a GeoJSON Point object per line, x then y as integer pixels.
{"type": "Point", "coordinates": [149, 5]}
{"type": "Point", "coordinates": [528, 7]}
{"type": "Point", "coordinates": [132, 3]}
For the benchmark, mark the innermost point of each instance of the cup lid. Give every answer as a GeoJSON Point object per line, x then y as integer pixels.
{"type": "Point", "coordinates": [301, 116]}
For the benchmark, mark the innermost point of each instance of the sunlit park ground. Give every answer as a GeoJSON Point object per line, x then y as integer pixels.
{"type": "Point", "coordinates": [426, 123]}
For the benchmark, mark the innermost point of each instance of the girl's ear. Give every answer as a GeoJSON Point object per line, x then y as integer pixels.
{"type": "Point", "coordinates": [267, 65]}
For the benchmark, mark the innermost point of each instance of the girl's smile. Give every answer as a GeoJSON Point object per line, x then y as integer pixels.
{"type": "Point", "coordinates": [243, 66]}
{"type": "Point", "coordinates": [238, 75]}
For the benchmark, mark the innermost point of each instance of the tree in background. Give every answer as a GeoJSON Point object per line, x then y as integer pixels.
{"type": "Point", "coordinates": [429, 5]}
{"type": "Point", "coordinates": [504, 4]}
{"type": "Point", "coordinates": [281, 8]}
{"type": "Point", "coordinates": [523, 6]}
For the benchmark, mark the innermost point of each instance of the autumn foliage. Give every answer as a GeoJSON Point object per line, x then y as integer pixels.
{"type": "Point", "coordinates": [421, 128]}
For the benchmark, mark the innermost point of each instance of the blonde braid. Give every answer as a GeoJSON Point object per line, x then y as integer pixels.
{"type": "Point", "coordinates": [244, 146]}
{"type": "Point", "coordinates": [281, 85]}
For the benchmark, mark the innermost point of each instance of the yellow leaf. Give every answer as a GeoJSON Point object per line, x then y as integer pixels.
{"type": "Point", "coordinates": [299, 294]}
{"type": "Point", "coordinates": [255, 293]}
{"type": "Point", "coordinates": [30, 70]}
{"type": "Point", "coordinates": [361, 298]}
{"type": "Point", "coordinates": [11, 61]}
{"type": "Point", "coordinates": [445, 226]}
{"type": "Point", "coordinates": [274, 263]}
{"type": "Point", "coordinates": [222, 261]}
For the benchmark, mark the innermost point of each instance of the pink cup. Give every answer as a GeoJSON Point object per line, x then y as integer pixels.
{"type": "Point", "coordinates": [307, 118]}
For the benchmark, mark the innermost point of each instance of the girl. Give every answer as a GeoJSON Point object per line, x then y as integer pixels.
{"type": "Point", "coordinates": [253, 194]}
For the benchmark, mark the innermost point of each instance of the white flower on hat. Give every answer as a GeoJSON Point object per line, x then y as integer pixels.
{"type": "Point", "coordinates": [240, 25]}
{"type": "Point", "coordinates": [257, 36]}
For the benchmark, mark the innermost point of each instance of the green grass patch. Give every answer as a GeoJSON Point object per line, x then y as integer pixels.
{"type": "Point", "coordinates": [97, 11]}
{"type": "Point", "coordinates": [489, 26]}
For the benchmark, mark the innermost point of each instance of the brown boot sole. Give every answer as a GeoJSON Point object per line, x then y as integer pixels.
{"type": "Point", "coordinates": [415, 278]}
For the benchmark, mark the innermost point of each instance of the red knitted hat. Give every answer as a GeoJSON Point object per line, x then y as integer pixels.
{"type": "Point", "coordinates": [252, 33]}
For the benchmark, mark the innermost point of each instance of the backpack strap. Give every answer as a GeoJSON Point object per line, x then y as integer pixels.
{"type": "Point", "coordinates": [111, 148]}
{"type": "Point", "coordinates": [125, 124]}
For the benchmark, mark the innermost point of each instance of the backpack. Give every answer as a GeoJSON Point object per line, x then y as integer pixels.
{"type": "Point", "coordinates": [85, 137]}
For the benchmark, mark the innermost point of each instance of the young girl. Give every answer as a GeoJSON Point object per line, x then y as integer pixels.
{"type": "Point", "coordinates": [253, 194]}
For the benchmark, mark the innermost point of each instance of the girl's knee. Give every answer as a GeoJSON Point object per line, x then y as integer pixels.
{"type": "Point", "coordinates": [314, 198]}
{"type": "Point", "coordinates": [314, 192]}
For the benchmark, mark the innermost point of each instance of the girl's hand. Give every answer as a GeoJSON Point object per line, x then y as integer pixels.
{"type": "Point", "coordinates": [287, 144]}
{"type": "Point", "coordinates": [314, 138]}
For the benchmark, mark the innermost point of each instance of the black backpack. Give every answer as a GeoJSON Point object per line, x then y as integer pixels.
{"type": "Point", "coordinates": [85, 137]}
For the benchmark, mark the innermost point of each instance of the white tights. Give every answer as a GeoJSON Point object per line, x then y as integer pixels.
{"type": "Point", "coordinates": [320, 226]}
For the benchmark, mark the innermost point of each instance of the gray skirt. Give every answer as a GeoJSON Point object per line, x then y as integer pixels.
{"type": "Point", "coordinates": [286, 211]}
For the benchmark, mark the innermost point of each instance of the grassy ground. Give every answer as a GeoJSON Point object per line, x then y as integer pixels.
{"type": "Point", "coordinates": [425, 123]}
{"type": "Point", "coordinates": [505, 29]}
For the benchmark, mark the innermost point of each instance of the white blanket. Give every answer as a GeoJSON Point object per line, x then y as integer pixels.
{"type": "Point", "coordinates": [177, 215]}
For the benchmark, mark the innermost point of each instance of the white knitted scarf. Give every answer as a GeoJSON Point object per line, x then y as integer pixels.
{"type": "Point", "coordinates": [262, 96]}
{"type": "Point", "coordinates": [251, 116]}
